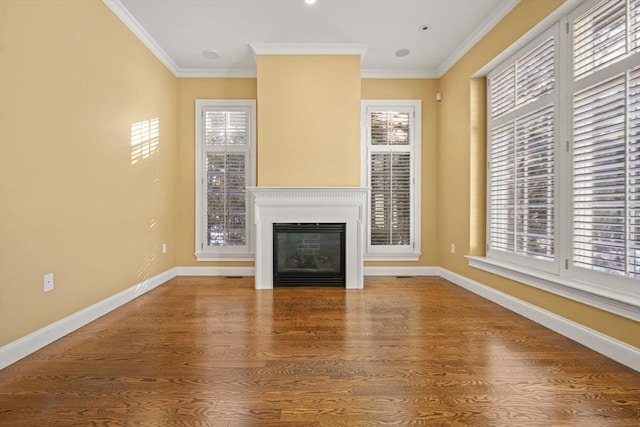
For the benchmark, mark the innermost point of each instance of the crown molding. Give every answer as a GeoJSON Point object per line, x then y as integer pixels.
{"type": "Point", "coordinates": [217, 73]}
{"type": "Point", "coordinates": [125, 16]}
{"type": "Point", "coordinates": [373, 73]}
{"type": "Point", "coordinates": [249, 73]}
{"type": "Point", "coordinates": [308, 49]}
{"type": "Point", "coordinates": [529, 36]}
{"type": "Point", "coordinates": [476, 36]}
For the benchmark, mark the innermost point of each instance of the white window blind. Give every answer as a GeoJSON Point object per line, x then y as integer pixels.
{"type": "Point", "coordinates": [390, 199]}
{"type": "Point", "coordinates": [601, 36]}
{"type": "Point", "coordinates": [225, 136]}
{"type": "Point", "coordinates": [634, 23]}
{"type": "Point", "coordinates": [521, 155]}
{"type": "Point", "coordinates": [390, 147]}
{"type": "Point", "coordinates": [535, 73]}
{"type": "Point", "coordinates": [534, 184]}
{"type": "Point", "coordinates": [605, 139]}
{"type": "Point", "coordinates": [605, 187]}
{"type": "Point", "coordinates": [226, 199]}
{"type": "Point", "coordinates": [502, 188]}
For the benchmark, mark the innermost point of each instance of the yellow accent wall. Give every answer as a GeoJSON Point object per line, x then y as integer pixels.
{"type": "Point", "coordinates": [425, 91]}
{"type": "Point", "coordinates": [188, 91]}
{"type": "Point", "coordinates": [87, 170]}
{"type": "Point", "coordinates": [308, 120]}
{"type": "Point", "coordinates": [461, 175]}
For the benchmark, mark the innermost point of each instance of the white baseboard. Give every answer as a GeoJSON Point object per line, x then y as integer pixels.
{"type": "Point", "coordinates": [250, 271]}
{"type": "Point", "coordinates": [401, 271]}
{"type": "Point", "coordinates": [610, 347]}
{"type": "Point", "coordinates": [603, 344]}
{"type": "Point", "coordinates": [28, 344]}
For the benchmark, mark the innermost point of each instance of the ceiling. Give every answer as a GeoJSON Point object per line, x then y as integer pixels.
{"type": "Point", "coordinates": [179, 31]}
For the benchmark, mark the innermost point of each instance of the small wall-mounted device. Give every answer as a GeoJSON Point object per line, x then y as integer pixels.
{"type": "Point", "coordinates": [438, 96]}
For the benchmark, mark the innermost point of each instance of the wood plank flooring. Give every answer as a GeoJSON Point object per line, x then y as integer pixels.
{"type": "Point", "coordinates": [404, 351]}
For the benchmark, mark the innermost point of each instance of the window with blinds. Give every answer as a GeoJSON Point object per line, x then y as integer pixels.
{"type": "Point", "coordinates": [564, 153]}
{"type": "Point", "coordinates": [522, 138]}
{"type": "Point", "coordinates": [224, 139]}
{"type": "Point", "coordinates": [606, 139]}
{"type": "Point", "coordinates": [390, 148]}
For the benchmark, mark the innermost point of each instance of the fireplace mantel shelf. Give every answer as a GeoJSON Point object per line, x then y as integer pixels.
{"type": "Point", "coordinates": [273, 205]}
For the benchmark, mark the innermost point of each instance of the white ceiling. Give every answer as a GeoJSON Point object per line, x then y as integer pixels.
{"type": "Point", "coordinates": [178, 31]}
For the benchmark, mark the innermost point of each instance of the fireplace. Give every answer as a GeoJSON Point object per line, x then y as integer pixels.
{"type": "Point", "coordinates": [309, 254]}
{"type": "Point", "coordinates": [309, 205]}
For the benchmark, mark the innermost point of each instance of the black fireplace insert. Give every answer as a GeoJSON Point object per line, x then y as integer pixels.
{"type": "Point", "coordinates": [309, 254]}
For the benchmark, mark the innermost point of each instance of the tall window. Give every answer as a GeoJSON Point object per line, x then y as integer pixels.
{"type": "Point", "coordinates": [391, 147]}
{"type": "Point", "coordinates": [606, 138]}
{"type": "Point", "coordinates": [225, 165]}
{"type": "Point", "coordinates": [523, 99]}
{"type": "Point", "coordinates": [564, 152]}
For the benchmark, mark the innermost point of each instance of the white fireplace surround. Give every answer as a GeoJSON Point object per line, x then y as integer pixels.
{"type": "Point", "coordinates": [274, 205]}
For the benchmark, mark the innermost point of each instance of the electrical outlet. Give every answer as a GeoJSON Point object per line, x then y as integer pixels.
{"type": "Point", "coordinates": [48, 282]}
{"type": "Point", "coordinates": [164, 248]}
{"type": "Point", "coordinates": [453, 248]}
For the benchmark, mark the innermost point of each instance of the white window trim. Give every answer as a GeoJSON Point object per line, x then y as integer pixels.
{"type": "Point", "coordinates": [623, 301]}
{"type": "Point", "coordinates": [401, 254]}
{"type": "Point", "coordinates": [202, 251]}
{"type": "Point", "coordinates": [623, 304]}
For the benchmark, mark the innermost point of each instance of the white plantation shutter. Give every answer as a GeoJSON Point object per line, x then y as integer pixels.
{"type": "Point", "coordinates": [600, 37]}
{"type": "Point", "coordinates": [535, 73]}
{"type": "Point", "coordinates": [390, 128]}
{"type": "Point", "coordinates": [606, 146]}
{"type": "Point", "coordinates": [502, 188]}
{"type": "Point", "coordinates": [634, 25]}
{"type": "Point", "coordinates": [605, 156]}
{"type": "Point", "coordinates": [226, 128]}
{"type": "Point", "coordinates": [226, 147]}
{"type": "Point", "coordinates": [522, 186]}
{"type": "Point", "coordinates": [226, 201]}
{"type": "Point", "coordinates": [390, 147]}
{"type": "Point", "coordinates": [633, 263]}
{"type": "Point", "coordinates": [534, 184]}
{"type": "Point", "coordinates": [521, 154]}
{"type": "Point", "coordinates": [225, 136]}
{"type": "Point", "coordinates": [503, 92]}
{"type": "Point", "coordinates": [599, 177]}
{"type": "Point", "coordinates": [390, 198]}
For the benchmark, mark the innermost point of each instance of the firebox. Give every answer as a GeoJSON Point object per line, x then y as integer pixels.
{"type": "Point", "coordinates": [309, 254]}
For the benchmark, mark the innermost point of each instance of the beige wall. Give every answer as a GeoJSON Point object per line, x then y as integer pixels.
{"type": "Point", "coordinates": [423, 90]}
{"type": "Point", "coordinates": [188, 91]}
{"type": "Point", "coordinates": [461, 177]}
{"type": "Point", "coordinates": [76, 198]}
{"type": "Point", "coordinates": [309, 120]}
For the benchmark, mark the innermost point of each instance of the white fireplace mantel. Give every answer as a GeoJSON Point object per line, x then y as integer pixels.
{"type": "Point", "coordinates": [274, 205]}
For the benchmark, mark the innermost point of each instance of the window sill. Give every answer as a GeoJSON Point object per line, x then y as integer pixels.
{"type": "Point", "coordinates": [223, 257]}
{"type": "Point", "coordinates": [619, 303]}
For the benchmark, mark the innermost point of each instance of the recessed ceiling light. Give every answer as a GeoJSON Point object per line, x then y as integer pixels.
{"type": "Point", "coordinates": [309, 1]}
{"type": "Point", "coordinates": [402, 52]}
{"type": "Point", "coordinates": [423, 28]}
{"type": "Point", "coordinates": [210, 54]}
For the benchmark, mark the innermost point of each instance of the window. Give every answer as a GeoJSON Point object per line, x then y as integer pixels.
{"type": "Point", "coordinates": [523, 100]}
{"type": "Point", "coordinates": [391, 153]}
{"type": "Point", "coordinates": [225, 167]}
{"type": "Point", "coordinates": [564, 157]}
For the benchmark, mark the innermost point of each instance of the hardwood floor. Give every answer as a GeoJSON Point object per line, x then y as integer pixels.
{"type": "Point", "coordinates": [405, 351]}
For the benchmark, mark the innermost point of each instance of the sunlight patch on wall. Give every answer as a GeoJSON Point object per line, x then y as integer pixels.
{"type": "Point", "coordinates": [145, 139]}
